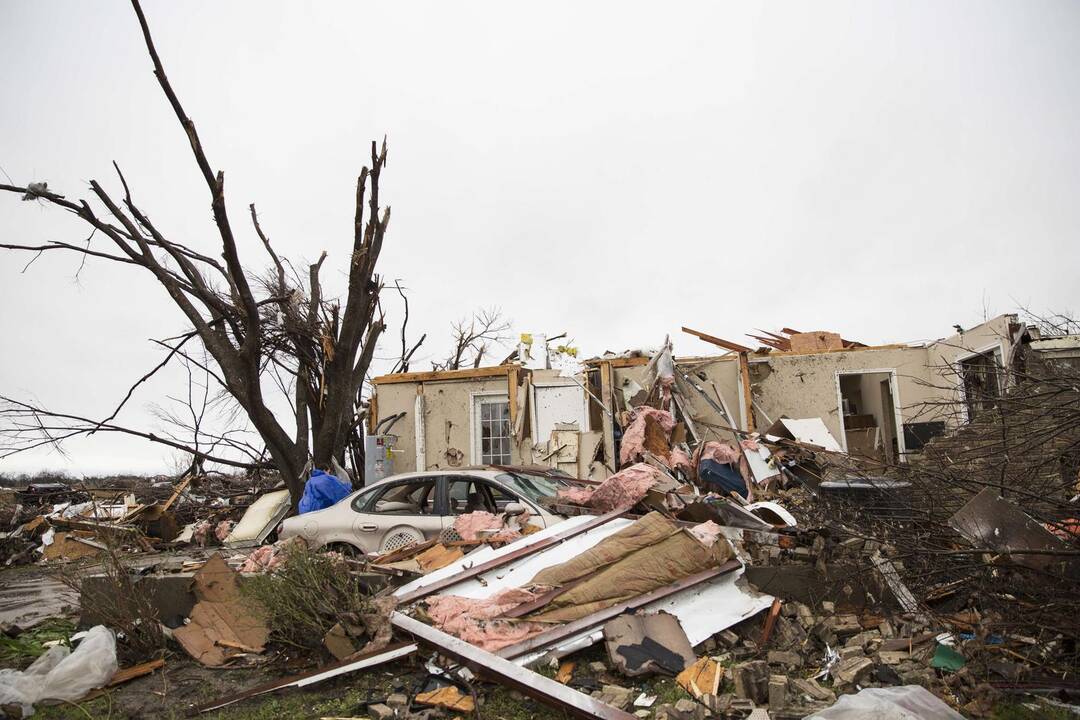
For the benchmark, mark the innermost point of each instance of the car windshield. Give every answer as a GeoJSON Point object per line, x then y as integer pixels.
{"type": "Point", "coordinates": [533, 487]}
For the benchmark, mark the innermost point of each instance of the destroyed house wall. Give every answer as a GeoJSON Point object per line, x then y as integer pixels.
{"type": "Point", "coordinates": [805, 386]}
{"type": "Point", "coordinates": [721, 371]}
{"type": "Point", "coordinates": [944, 356]}
{"type": "Point", "coordinates": [447, 423]}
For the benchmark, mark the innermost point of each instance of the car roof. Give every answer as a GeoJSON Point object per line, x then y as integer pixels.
{"type": "Point", "coordinates": [485, 471]}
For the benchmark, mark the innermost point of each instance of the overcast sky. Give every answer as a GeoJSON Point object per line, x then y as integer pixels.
{"type": "Point", "coordinates": [612, 170]}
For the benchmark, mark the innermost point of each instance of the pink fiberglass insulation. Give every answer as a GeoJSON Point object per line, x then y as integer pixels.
{"type": "Point", "coordinates": [678, 460]}
{"type": "Point", "coordinates": [575, 495]}
{"type": "Point", "coordinates": [633, 440]}
{"type": "Point", "coordinates": [480, 525]}
{"type": "Point", "coordinates": [621, 490]}
{"type": "Point", "coordinates": [476, 621]}
{"type": "Point", "coordinates": [707, 532]}
{"type": "Point", "coordinates": [222, 530]}
{"type": "Point", "coordinates": [200, 533]}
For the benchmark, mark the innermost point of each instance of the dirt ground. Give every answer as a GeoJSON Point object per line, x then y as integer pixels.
{"type": "Point", "coordinates": [173, 692]}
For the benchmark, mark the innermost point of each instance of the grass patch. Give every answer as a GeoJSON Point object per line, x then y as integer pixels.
{"type": "Point", "coordinates": [18, 652]}
{"type": "Point", "coordinates": [1042, 711]}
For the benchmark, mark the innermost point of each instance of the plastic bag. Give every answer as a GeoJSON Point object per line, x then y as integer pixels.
{"type": "Point", "coordinates": [61, 674]}
{"type": "Point", "coordinates": [907, 702]}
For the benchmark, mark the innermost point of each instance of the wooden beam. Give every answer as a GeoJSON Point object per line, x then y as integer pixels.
{"type": "Point", "coordinates": [619, 362]}
{"type": "Point", "coordinates": [504, 672]}
{"type": "Point", "coordinates": [748, 395]}
{"type": "Point", "coordinates": [373, 413]}
{"type": "Point", "coordinates": [511, 393]}
{"type": "Point", "coordinates": [508, 558]}
{"type": "Point", "coordinates": [726, 344]}
{"type": "Point", "coordinates": [447, 375]}
{"type": "Point", "coordinates": [180, 487]}
{"type": "Point", "coordinates": [607, 421]}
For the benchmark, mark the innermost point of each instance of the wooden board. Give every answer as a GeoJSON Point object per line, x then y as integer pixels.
{"type": "Point", "coordinates": [450, 375]}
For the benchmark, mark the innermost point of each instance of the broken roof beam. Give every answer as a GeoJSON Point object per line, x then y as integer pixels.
{"type": "Point", "coordinates": [725, 344]}
{"type": "Point", "coordinates": [493, 667]}
{"type": "Point", "coordinates": [776, 345]}
{"type": "Point", "coordinates": [507, 558]}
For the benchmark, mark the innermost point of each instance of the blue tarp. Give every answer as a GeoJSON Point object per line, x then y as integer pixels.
{"type": "Point", "coordinates": [322, 490]}
{"type": "Point", "coordinates": [721, 477]}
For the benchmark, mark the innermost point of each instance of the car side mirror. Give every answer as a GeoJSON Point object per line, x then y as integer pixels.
{"type": "Point", "coordinates": [514, 509]}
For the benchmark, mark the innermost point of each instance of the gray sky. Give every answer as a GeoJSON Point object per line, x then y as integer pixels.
{"type": "Point", "coordinates": [615, 170]}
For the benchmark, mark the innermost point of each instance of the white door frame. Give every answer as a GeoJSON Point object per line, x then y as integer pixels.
{"type": "Point", "coordinates": [894, 388]}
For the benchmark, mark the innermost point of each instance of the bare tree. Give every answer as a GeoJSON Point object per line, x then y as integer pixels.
{"type": "Point", "coordinates": [473, 338]}
{"type": "Point", "coordinates": [251, 329]}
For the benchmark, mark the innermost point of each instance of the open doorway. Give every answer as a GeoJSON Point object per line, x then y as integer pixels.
{"type": "Point", "coordinates": [869, 410]}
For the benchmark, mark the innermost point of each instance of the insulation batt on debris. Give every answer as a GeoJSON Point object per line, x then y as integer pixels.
{"type": "Point", "coordinates": [702, 609]}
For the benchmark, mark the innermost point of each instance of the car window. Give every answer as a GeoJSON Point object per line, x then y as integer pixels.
{"type": "Point", "coordinates": [472, 494]}
{"type": "Point", "coordinates": [408, 498]}
{"type": "Point", "coordinates": [361, 500]}
{"type": "Point", "coordinates": [534, 487]}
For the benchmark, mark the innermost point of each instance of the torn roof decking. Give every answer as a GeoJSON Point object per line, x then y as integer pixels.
{"type": "Point", "coordinates": [702, 608]}
{"type": "Point", "coordinates": [777, 348]}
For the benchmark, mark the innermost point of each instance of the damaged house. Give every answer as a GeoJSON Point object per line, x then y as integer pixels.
{"type": "Point", "coordinates": [880, 402]}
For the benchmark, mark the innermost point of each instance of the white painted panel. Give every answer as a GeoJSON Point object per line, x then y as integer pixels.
{"type": "Point", "coordinates": [811, 431]}
{"type": "Point", "coordinates": [557, 404]}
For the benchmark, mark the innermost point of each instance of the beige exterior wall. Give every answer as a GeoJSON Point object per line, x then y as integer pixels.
{"type": "Point", "coordinates": [945, 354]}
{"type": "Point", "coordinates": [447, 419]}
{"type": "Point", "coordinates": [805, 386]}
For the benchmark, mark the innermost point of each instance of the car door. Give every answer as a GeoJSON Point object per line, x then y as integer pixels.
{"type": "Point", "coordinates": [398, 514]}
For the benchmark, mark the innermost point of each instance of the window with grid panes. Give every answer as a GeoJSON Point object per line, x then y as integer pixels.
{"type": "Point", "coordinates": [493, 419]}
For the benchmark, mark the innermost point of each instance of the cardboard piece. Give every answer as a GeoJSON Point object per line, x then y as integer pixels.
{"type": "Point", "coordinates": [71, 546]}
{"type": "Point", "coordinates": [222, 621]}
{"type": "Point", "coordinates": [338, 642]}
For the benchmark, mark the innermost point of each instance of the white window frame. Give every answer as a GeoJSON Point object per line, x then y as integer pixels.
{"type": "Point", "coordinates": [958, 371]}
{"type": "Point", "coordinates": [475, 436]}
{"type": "Point", "coordinates": [894, 387]}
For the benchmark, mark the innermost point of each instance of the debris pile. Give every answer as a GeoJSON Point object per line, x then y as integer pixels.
{"type": "Point", "coordinates": [716, 573]}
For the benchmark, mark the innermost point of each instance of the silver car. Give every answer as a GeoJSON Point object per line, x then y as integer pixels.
{"type": "Point", "coordinates": [413, 507]}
